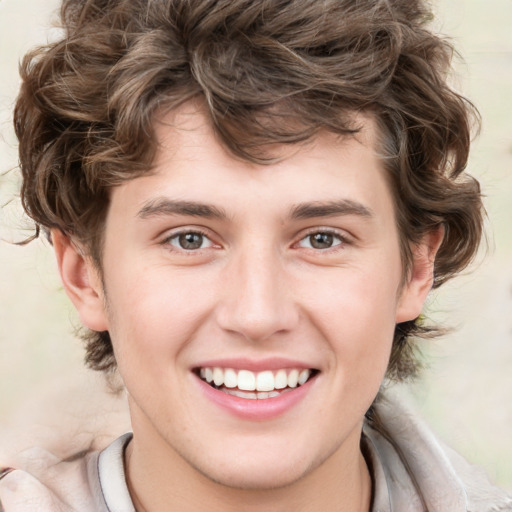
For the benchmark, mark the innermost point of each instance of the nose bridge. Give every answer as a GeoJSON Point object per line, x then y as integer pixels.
{"type": "Point", "coordinates": [257, 304]}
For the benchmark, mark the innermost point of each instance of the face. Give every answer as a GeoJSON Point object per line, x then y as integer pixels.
{"type": "Point", "coordinates": [252, 308]}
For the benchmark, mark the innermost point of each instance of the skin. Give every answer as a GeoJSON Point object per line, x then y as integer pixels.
{"type": "Point", "coordinates": [256, 289]}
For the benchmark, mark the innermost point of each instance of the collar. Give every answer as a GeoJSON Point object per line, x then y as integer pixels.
{"type": "Point", "coordinates": [112, 476]}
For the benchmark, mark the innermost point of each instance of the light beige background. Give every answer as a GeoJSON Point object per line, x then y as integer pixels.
{"type": "Point", "coordinates": [467, 392]}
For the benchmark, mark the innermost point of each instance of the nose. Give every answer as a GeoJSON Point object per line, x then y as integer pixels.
{"type": "Point", "coordinates": [258, 298]}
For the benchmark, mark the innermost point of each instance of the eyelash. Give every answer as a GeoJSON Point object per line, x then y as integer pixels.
{"type": "Point", "coordinates": [342, 240]}
{"type": "Point", "coordinates": [176, 236]}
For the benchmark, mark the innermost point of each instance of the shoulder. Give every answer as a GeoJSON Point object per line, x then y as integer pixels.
{"type": "Point", "coordinates": [442, 479]}
{"type": "Point", "coordinates": [43, 483]}
{"type": "Point", "coordinates": [481, 493]}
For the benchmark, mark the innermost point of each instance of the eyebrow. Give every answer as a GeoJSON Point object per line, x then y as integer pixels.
{"type": "Point", "coordinates": [164, 206]}
{"type": "Point", "coordinates": [330, 209]}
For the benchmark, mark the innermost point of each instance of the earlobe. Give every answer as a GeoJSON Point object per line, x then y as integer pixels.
{"type": "Point", "coordinates": [81, 281]}
{"type": "Point", "coordinates": [421, 276]}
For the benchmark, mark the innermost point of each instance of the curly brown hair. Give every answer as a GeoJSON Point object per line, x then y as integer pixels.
{"type": "Point", "coordinates": [269, 72]}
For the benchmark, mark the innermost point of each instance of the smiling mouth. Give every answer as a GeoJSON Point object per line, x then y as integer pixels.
{"type": "Point", "coordinates": [255, 385]}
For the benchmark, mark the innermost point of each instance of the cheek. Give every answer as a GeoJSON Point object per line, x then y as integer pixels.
{"type": "Point", "coordinates": [361, 337]}
{"type": "Point", "coordinates": [356, 314]}
{"type": "Point", "coordinates": [153, 315]}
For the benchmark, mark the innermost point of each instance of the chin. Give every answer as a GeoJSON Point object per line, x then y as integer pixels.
{"type": "Point", "coordinates": [256, 470]}
{"type": "Point", "coordinates": [257, 479]}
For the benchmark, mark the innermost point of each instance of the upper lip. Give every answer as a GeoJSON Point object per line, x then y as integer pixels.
{"type": "Point", "coordinates": [255, 365]}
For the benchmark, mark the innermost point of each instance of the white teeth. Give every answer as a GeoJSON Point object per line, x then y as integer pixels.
{"type": "Point", "coordinates": [251, 395]}
{"type": "Point", "coordinates": [242, 394]}
{"type": "Point", "coordinates": [293, 378]}
{"type": "Point", "coordinates": [304, 376]}
{"type": "Point", "coordinates": [230, 378]}
{"type": "Point", "coordinates": [246, 380]}
{"type": "Point", "coordinates": [281, 380]}
{"type": "Point", "coordinates": [218, 376]}
{"type": "Point", "coordinates": [265, 383]}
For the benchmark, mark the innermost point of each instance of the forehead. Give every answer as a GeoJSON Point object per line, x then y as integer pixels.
{"type": "Point", "coordinates": [189, 126]}
{"type": "Point", "coordinates": [191, 164]}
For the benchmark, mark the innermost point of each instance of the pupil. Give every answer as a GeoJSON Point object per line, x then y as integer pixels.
{"type": "Point", "coordinates": [191, 241]}
{"type": "Point", "coordinates": [321, 240]}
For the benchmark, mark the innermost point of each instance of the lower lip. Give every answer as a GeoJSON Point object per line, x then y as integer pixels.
{"type": "Point", "coordinates": [256, 409]}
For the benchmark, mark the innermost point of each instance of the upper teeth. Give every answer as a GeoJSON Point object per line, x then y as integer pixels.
{"type": "Point", "coordinates": [246, 380]}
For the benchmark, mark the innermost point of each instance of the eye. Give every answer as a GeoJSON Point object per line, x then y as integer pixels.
{"type": "Point", "coordinates": [190, 241]}
{"type": "Point", "coordinates": [321, 240]}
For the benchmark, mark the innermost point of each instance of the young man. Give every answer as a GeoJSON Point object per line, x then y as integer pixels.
{"type": "Point", "coordinates": [249, 203]}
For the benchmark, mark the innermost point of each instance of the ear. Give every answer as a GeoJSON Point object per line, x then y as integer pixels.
{"type": "Point", "coordinates": [81, 281]}
{"type": "Point", "coordinates": [421, 276]}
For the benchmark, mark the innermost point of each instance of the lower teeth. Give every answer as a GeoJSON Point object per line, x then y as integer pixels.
{"type": "Point", "coordinates": [258, 395]}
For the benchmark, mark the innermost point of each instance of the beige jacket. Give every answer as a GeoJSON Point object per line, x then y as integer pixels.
{"type": "Point", "coordinates": [411, 472]}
